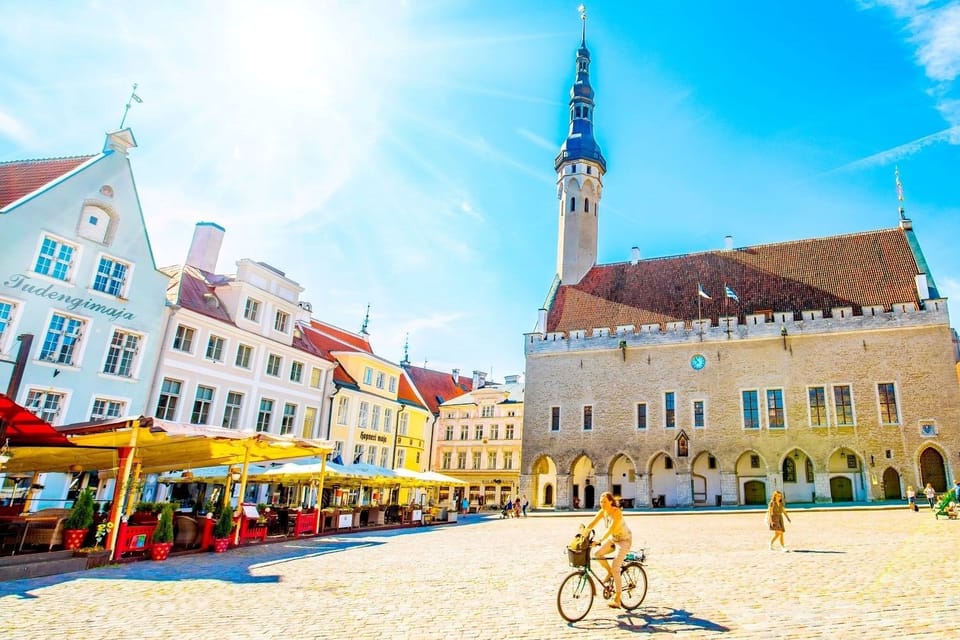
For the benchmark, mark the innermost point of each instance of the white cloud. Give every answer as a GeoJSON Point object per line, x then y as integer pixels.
{"type": "Point", "coordinates": [13, 129]}
{"type": "Point", "coordinates": [950, 135]}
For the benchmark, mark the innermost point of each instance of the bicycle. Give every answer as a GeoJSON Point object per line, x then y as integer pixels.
{"type": "Point", "coordinates": [578, 589]}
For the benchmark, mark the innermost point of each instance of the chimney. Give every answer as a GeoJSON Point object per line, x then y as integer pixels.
{"type": "Point", "coordinates": [456, 376]}
{"type": "Point", "coordinates": [728, 243]}
{"type": "Point", "coordinates": [479, 379]}
{"type": "Point", "coordinates": [541, 321]}
{"type": "Point", "coordinates": [205, 246]}
{"type": "Point", "coordinates": [634, 255]}
{"type": "Point", "coordinates": [511, 379]}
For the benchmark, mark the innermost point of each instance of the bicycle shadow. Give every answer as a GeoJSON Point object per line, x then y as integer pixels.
{"type": "Point", "coordinates": [658, 620]}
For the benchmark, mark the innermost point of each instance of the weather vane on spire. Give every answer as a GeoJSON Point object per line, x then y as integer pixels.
{"type": "Point", "coordinates": [896, 174]}
{"type": "Point", "coordinates": [366, 321]}
{"type": "Point", "coordinates": [583, 20]}
{"type": "Point", "coordinates": [133, 98]}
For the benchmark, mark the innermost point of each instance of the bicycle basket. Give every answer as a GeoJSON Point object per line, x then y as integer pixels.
{"type": "Point", "coordinates": [578, 558]}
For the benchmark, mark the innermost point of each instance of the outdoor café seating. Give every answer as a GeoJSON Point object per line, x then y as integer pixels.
{"type": "Point", "coordinates": [45, 528]}
{"type": "Point", "coordinates": [187, 531]}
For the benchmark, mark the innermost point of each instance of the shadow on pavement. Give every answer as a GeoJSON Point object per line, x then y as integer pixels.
{"type": "Point", "coordinates": [814, 551]}
{"type": "Point", "coordinates": [665, 620]}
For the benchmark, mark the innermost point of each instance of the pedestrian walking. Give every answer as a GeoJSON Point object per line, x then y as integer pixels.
{"type": "Point", "coordinates": [912, 498]}
{"type": "Point", "coordinates": [516, 508]}
{"type": "Point", "coordinates": [931, 494]}
{"type": "Point", "coordinates": [526, 503]}
{"type": "Point", "coordinates": [776, 512]}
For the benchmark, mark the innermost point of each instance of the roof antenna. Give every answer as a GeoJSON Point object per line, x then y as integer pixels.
{"type": "Point", "coordinates": [133, 98]}
{"type": "Point", "coordinates": [366, 321]}
{"type": "Point", "coordinates": [896, 173]}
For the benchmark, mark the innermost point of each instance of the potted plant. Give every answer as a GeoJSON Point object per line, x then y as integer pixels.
{"type": "Point", "coordinates": [77, 524]}
{"type": "Point", "coordinates": [221, 530]}
{"type": "Point", "coordinates": [96, 555]}
{"type": "Point", "coordinates": [163, 534]}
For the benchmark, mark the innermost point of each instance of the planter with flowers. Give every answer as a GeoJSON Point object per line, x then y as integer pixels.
{"type": "Point", "coordinates": [77, 524]}
{"type": "Point", "coordinates": [163, 534]}
{"type": "Point", "coordinates": [221, 530]}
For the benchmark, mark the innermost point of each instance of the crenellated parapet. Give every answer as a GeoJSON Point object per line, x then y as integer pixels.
{"type": "Point", "coordinates": [755, 326]}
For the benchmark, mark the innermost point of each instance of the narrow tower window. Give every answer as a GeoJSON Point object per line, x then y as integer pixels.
{"type": "Point", "coordinates": [573, 204]}
{"type": "Point", "coordinates": [586, 205]}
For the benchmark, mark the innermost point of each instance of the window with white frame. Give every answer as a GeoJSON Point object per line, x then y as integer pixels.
{"type": "Point", "coordinates": [6, 319]}
{"type": "Point", "coordinates": [448, 432]}
{"type": "Point", "coordinates": [381, 379]}
{"type": "Point", "coordinates": [372, 455]}
{"type": "Point", "coordinates": [62, 339]}
{"type": "Point", "coordinates": [231, 410]}
{"type": "Point", "coordinates": [392, 385]}
{"type": "Point", "coordinates": [122, 354]}
{"type": "Point", "coordinates": [244, 353]}
{"type": "Point", "coordinates": [478, 432]}
{"type": "Point", "coordinates": [296, 371]}
{"type": "Point", "coordinates": [281, 321]}
{"type": "Point", "coordinates": [401, 458]}
{"type": "Point", "coordinates": [588, 418]}
{"type": "Point", "coordinates": [183, 339]}
{"type": "Point", "coordinates": [670, 410]}
{"type": "Point", "coordinates": [388, 420]}
{"type": "Point", "coordinates": [251, 310]}
{"type": "Point", "coordinates": [464, 432]}
{"type": "Point", "coordinates": [343, 410]}
{"type": "Point", "coordinates": [367, 375]}
{"type": "Point", "coordinates": [201, 405]}
{"type": "Point", "coordinates": [751, 409]}
{"type": "Point", "coordinates": [337, 450]}
{"type": "Point", "coordinates": [384, 458]}
{"type": "Point", "coordinates": [402, 429]}
{"type": "Point", "coordinates": [46, 405]}
{"type": "Point", "coordinates": [215, 348]}
{"type": "Point", "coordinates": [55, 259]}
{"type": "Point", "coordinates": [817, 406]}
{"type": "Point", "coordinates": [446, 459]}
{"type": "Point", "coordinates": [494, 432]}
{"type": "Point", "coordinates": [477, 456]}
{"type": "Point", "coordinates": [843, 405]}
{"type": "Point", "coordinates": [273, 365]}
{"type": "Point", "coordinates": [491, 460]}
{"type": "Point", "coordinates": [316, 377]}
{"type": "Point", "coordinates": [104, 409]}
{"type": "Point", "coordinates": [357, 453]}
{"type": "Point", "coordinates": [508, 460]}
{"type": "Point", "coordinates": [776, 418]}
{"type": "Point", "coordinates": [265, 414]}
{"type": "Point", "coordinates": [375, 418]}
{"type": "Point", "coordinates": [111, 277]}
{"type": "Point", "coordinates": [461, 460]}
{"type": "Point", "coordinates": [508, 432]}
{"type": "Point", "coordinates": [364, 418]}
{"type": "Point", "coordinates": [887, 397]}
{"type": "Point", "coordinates": [289, 419]}
{"type": "Point", "coordinates": [169, 397]}
{"type": "Point", "coordinates": [699, 419]}
{"type": "Point", "coordinates": [486, 411]}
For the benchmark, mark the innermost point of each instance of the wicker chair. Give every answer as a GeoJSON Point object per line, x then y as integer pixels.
{"type": "Point", "coordinates": [187, 530]}
{"type": "Point", "coordinates": [45, 528]}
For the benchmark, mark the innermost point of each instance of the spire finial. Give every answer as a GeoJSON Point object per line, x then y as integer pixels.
{"type": "Point", "coordinates": [583, 24]}
{"type": "Point", "coordinates": [133, 98]}
{"type": "Point", "coordinates": [406, 351]}
{"type": "Point", "coordinates": [896, 174]}
{"type": "Point", "coordinates": [366, 321]}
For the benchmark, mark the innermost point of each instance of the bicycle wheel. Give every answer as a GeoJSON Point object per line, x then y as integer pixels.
{"type": "Point", "coordinates": [575, 596]}
{"type": "Point", "coordinates": [634, 580]}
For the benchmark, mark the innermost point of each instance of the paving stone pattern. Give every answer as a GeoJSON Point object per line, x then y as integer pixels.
{"type": "Point", "coordinates": [849, 574]}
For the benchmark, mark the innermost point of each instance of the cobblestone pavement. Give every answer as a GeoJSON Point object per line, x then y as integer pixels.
{"type": "Point", "coordinates": [849, 574]}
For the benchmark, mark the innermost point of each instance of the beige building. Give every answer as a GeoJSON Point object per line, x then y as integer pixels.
{"type": "Point", "coordinates": [823, 367]}
{"type": "Point", "coordinates": [478, 437]}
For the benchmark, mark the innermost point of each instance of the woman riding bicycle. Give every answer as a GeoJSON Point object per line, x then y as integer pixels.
{"type": "Point", "coordinates": [620, 539]}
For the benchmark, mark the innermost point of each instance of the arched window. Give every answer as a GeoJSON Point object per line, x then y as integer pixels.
{"type": "Point", "coordinates": [789, 470]}
{"type": "Point", "coordinates": [573, 204]}
{"type": "Point", "coordinates": [586, 205]}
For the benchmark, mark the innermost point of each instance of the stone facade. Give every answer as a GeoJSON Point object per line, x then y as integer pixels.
{"type": "Point", "coordinates": [860, 458]}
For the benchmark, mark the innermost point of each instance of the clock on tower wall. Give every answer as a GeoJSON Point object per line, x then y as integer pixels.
{"type": "Point", "coordinates": [698, 362]}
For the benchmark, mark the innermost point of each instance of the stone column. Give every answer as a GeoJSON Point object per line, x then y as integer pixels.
{"type": "Point", "coordinates": [564, 495]}
{"type": "Point", "coordinates": [643, 490]}
{"type": "Point", "coordinates": [729, 490]}
{"type": "Point", "coordinates": [684, 489]}
{"type": "Point", "coordinates": [821, 485]}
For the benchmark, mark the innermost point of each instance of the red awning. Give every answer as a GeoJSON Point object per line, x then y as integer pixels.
{"type": "Point", "coordinates": [23, 429]}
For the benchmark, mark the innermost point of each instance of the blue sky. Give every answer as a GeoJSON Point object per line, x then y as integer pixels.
{"type": "Point", "coordinates": [401, 153]}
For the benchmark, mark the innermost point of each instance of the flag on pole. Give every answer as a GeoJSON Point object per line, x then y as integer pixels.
{"type": "Point", "coordinates": [702, 293]}
{"type": "Point", "coordinates": [730, 293]}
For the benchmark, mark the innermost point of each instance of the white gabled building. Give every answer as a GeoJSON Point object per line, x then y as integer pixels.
{"type": "Point", "coordinates": [233, 350]}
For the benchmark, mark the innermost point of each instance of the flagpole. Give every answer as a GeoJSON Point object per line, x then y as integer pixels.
{"type": "Point", "coordinates": [699, 315]}
{"type": "Point", "coordinates": [133, 97]}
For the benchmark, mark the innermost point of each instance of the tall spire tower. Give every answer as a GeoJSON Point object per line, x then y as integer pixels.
{"type": "Point", "coordinates": [580, 167]}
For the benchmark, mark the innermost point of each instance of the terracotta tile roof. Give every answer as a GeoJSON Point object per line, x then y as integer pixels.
{"type": "Point", "coordinates": [406, 394]}
{"type": "Point", "coordinates": [437, 387]}
{"type": "Point", "coordinates": [199, 295]}
{"type": "Point", "coordinates": [355, 340]}
{"type": "Point", "coordinates": [856, 270]}
{"type": "Point", "coordinates": [23, 177]}
{"type": "Point", "coordinates": [316, 333]}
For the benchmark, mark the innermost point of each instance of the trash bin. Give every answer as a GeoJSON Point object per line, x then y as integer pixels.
{"type": "Point", "coordinates": [719, 499]}
{"type": "Point", "coordinates": [661, 500]}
